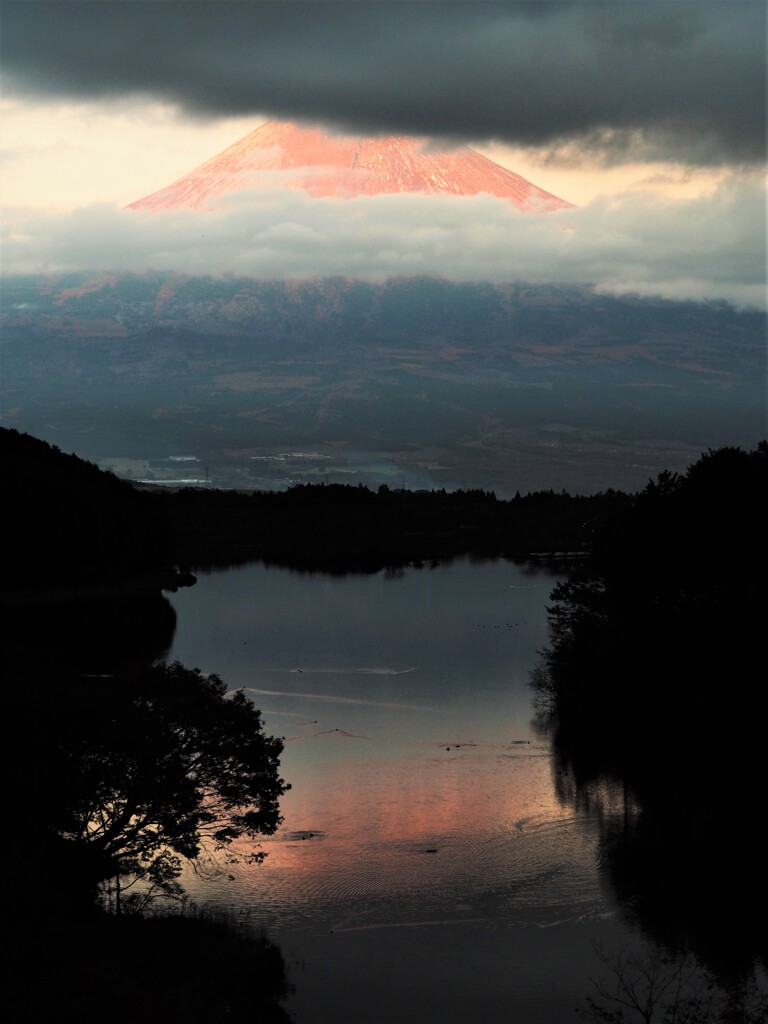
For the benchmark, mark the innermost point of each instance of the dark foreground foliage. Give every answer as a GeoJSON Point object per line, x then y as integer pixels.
{"type": "Point", "coordinates": [117, 780]}
{"type": "Point", "coordinates": [195, 968]}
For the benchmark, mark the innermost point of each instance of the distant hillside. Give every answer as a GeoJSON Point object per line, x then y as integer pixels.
{"type": "Point", "coordinates": [414, 381]}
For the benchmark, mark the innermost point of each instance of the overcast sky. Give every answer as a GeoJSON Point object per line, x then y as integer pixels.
{"type": "Point", "coordinates": [649, 116]}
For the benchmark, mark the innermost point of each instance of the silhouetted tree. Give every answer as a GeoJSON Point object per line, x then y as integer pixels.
{"type": "Point", "coordinates": [143, 771]}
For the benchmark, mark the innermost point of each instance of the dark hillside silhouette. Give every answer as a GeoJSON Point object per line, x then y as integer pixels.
{"type": "Point", "coordinates": [67, 521]}
{"type": "Point", "coordinates": [85, 561]}
{"type": "Point", "coordinates": [117, 777]}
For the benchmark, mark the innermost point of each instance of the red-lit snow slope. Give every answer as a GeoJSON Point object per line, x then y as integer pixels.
{"type": "Point", "coordinates": [324, 164]}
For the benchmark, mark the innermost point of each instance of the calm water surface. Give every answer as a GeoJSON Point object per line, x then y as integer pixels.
{"type": "Point", "coordinates": [425, 870]}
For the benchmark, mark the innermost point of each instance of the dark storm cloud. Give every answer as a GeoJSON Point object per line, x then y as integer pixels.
{"type": "Point", "coordinates": [679, 79]}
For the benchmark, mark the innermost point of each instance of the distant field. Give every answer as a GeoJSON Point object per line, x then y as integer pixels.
{"type": "Point", "coordinates": [267, 472]}
{"type": "Point", "coordinates": [131, 469]}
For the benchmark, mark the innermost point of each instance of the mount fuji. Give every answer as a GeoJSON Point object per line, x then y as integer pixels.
{"type": "Point", "coordinates": [325, 164]}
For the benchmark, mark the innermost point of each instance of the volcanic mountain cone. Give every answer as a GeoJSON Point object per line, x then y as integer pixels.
{"type": "Point", "coordinates": [326, 164]}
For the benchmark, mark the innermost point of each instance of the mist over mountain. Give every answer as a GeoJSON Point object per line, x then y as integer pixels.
{"type": "Point", "coordinates": [416, 381]}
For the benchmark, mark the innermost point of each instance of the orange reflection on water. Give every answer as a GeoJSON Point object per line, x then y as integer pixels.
{"type": "Point", "coordinates": [366, 818]}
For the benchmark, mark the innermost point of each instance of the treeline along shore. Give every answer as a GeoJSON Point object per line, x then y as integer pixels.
{"type": "Point", "coordinates": [341, 528]}
{"type": "Point", "coordinates": [80, 524]}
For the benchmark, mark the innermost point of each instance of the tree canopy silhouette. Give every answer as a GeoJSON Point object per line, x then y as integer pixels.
{"type": "Point", "coordinates": [150, 769]}
{"type": "Point", "coordinates": [677, 581]}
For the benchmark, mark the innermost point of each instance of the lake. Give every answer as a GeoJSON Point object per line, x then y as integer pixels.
{"type": "Point", "coordinates": [426, 869]}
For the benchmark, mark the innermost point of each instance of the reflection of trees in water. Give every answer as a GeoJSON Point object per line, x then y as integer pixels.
{"type": "Point", "coordinates": [687, 884]}
{"type": "Point", "coordinates": [656, 988]}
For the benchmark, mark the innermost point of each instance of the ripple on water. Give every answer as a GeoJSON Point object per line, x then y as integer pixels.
{"type": "Point", "coordinates": [534, 873]}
